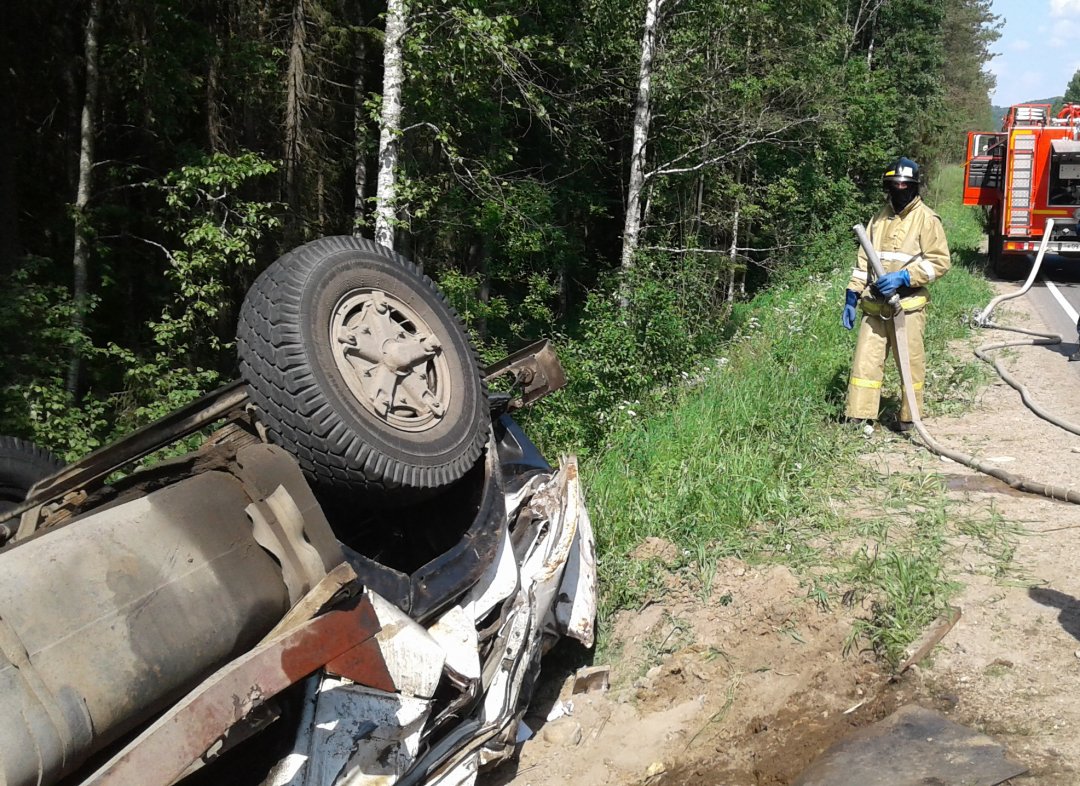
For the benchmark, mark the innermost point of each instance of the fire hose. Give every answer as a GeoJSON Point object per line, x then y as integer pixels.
{"type": "Point", "coordinates": [897, 330]}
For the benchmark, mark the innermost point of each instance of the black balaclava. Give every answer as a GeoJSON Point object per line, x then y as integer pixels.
{"type": "Point", "coordinates": [900, 198]}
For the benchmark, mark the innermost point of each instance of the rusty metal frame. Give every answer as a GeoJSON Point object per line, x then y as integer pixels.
{"type": "Point", "coordinates": [536, 371]}
{"type": "Point", "coordinates": [166, 750]}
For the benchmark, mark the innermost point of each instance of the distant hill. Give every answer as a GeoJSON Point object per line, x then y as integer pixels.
{"type": "Point", "coordinates": [998, 112]}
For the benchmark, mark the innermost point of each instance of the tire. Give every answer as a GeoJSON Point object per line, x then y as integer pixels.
{"type": "Point", "coordinates": [22, 464]}
{"type": "Point", "coordinates": [1007, 267]}
{"type": "Point", "coordinates": [995, 245]}
{"type": "Point", "coordinates": [1011, 267]}
{"type": "Point", "coordinates": [326, 333]}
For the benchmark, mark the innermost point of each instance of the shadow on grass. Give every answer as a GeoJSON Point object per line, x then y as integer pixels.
{"type": "Point", "coordinates": [836, 392]}
{"type": "Point", "coordinates": [971, 259]}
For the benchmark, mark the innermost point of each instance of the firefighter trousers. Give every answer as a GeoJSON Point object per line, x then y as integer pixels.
{"type": "Point", "coordinates": [868, 367]}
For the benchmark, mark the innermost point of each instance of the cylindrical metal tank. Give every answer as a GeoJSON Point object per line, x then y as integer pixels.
{"type": "Point", "coordinates": [105, 620]}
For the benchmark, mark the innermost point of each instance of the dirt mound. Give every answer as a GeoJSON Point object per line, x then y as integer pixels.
{"type": "Point", "coordinates": [750, 682]}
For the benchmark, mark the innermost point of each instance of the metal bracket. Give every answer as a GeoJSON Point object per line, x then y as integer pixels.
{"type": "Point", "coordinates": [536, 370]}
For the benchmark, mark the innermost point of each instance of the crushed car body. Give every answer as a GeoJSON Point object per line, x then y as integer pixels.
{"type": "Point", "coordinates": [225, 616]}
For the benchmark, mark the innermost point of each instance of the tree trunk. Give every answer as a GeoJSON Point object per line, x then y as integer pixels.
{"type": "Point", "coordinates": [295, 101]}
{"type": "Point", "coordinates": [390, 123]}
{"type": "Point", "coordinates": [642, 119]}
{"type": "Point", "coordinates": [251, 19]}
{"type": "Point", "coordinates": [80, 255]}
{"type": "Point", "coordinates": [479, 252]}
{"type": "Point", "coordinates": [320, 202]}
{"type": "Point", "coordinates": [360, 124]}
{"type": "Point", "coordinates": [215, 135]}
{"type": "Point", "coordinates": [733, 257]}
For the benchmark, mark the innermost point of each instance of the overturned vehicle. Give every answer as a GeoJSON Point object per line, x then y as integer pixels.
{"type": "Point", "coordinates": [351, 581]}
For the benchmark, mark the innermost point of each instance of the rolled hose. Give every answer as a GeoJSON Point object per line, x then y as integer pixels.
{"type": "Point", "coordinates": [1011, 479]}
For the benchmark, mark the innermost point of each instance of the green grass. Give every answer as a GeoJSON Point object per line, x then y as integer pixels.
{"type": "Point", "coordinates": [754, 462]}
{"type": "Point", "coordinates": [903, 576]}
{"type": "Point", "coordinates": [962, 223]}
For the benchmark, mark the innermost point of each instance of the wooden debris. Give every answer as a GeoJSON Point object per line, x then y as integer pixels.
{"type": "Point", "coordinates": [922, 646]}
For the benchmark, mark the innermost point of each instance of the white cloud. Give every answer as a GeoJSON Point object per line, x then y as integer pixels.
{"type": "Point", "coordinates": [1064, 7]}
{"type": "Point", "coordinates": [1020, 45]}
{"type": "Point", "coordinates": [1065, 32]}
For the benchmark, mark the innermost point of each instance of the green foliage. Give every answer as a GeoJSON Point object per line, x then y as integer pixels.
{"type": "Point", "coordinates": [219, 232]}
{"type": "Point", "coordinates": [906, 581]}
{"type": "Point", "coordinates": [971, 28]}
{"type": "Point", "coordinates": [626, 360]}
{"type": "Point", "coordinates": [36, 324]}
{"type": "Point", "coordinates": [188, 350]}
{"type": "Point", "coordinates": [1072, 91]}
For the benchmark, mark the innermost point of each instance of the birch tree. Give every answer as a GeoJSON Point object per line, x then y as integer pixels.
{"type": "Point", "coordinates": [81, 252]}
{"type": "Point", "coordinates": [390, 122]}
{"type": "Point", "coordinates": [639, 145]}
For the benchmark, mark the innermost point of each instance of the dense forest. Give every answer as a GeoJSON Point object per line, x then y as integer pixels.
{"type": "Point", "coordinates": [613, 173]}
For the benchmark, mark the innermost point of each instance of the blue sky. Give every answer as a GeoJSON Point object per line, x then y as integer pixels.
{"type": "Point", "coordinates": [1039, 49]}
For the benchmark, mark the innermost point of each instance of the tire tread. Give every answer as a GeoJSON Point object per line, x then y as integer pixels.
{"type": "Point", "coordinates": [287, 395]}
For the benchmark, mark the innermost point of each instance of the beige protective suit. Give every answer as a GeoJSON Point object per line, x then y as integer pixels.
{"type": "Point", "coordinates": [913, 239]}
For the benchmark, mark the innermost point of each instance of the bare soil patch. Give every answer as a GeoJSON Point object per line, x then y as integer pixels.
{"type": "Point", "coordinates": [751, 683]}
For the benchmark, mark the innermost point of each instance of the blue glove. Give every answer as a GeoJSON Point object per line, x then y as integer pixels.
{"type": "Point", "coordinates": [850, 299]}
{"type": "Point", "coordinates": [887, 285]}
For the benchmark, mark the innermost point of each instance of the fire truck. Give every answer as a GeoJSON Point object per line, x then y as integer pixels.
{"type": "Point", "coordinates": [1024, 174]}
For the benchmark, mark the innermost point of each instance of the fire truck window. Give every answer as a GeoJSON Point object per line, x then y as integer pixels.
{"type": "Point", "coordinates": [987, 145]}
{"type": "Point", "coordinates": [1065, 180]}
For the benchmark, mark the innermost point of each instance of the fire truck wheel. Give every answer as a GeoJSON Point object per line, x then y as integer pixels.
{"type": "Point", "coordinates": [22, 464]}
{"type": "Point", "coordinates": [1011, 267]}
{"type": "Point", "coordinates": [995, 246]}
{"type": "Point", "coordinates": [359, 367]}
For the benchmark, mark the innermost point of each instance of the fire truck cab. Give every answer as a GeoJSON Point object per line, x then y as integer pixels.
{"type": "Point", "coordinates": [1023, 175]}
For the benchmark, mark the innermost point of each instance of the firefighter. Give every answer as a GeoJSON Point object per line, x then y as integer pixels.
{"type": "Point", "coordinates": [910, 241]}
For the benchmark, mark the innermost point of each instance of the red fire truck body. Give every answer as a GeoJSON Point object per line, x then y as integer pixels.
{"type": "Point", "coordinates": [1025, 174]}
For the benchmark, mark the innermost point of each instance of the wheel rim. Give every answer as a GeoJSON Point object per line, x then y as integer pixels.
{"type": "Point", "coordinates": [390, 359]}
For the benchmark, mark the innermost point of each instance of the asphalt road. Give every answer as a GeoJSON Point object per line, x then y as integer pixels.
{"type": "Point", "coordinates": [1056, 295]}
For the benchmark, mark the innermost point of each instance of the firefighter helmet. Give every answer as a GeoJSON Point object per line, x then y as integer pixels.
{"type": "Point", "coordinates": [902, 170]}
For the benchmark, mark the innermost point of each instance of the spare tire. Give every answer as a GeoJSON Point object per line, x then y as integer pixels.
{"type": "Point", "coordinates": [360, 368]}
{"type": "Point", "coordinates": [22, 464]}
